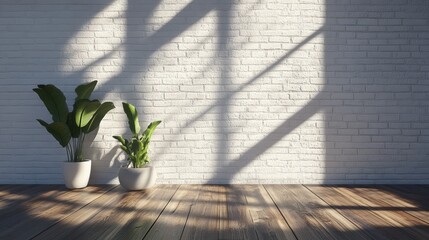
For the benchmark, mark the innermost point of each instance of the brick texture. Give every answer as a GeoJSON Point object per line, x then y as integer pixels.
{"type": "Point", "coordinates": [302, 91]}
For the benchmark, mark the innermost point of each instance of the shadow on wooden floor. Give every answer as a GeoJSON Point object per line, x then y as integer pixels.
{"type": "Point", "coordinates": [215, 212]}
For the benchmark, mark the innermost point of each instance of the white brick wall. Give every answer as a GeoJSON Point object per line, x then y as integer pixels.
{"type": "Point", "coordinates": [303, 91]}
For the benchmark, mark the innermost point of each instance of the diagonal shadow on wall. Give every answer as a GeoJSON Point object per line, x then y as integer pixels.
{"type": "Point", "coordinates": [140, 44]}
{"type": "Point", "coordinates": [374, 106]}
{"type": "Point", "coordinates": [376, 69]}
{"type": "Point", "coordinates": [232, 167]}
{"type": "Point", "coordinates": [377, 91]}
{"type": "Point", "coordinates": [367, 95]}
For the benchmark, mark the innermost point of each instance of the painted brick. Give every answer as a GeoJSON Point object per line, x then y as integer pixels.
{"type": "Point", "coordinates": [301, 91]}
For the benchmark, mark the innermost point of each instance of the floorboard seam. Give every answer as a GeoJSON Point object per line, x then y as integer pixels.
{"type": "Point", "coordinates": [407, 212]}
{"type": "Point", "coordinates": [368, 208]}
{"type": "Point", "coordinates": [403, 211]}
{"type": "Point", "coordinates": [253, 221]}
{"type": "Point", "coordinates": [278, 209]}
{"type": "Point", "coordinates": [169, 200]}
{"type": "Point", "coordinates": [352, 222]}
{"type": "Point", "coordinates": [219, 212]}
{"type": "Point", "coordinates": [46, 229]}
{"type": "Point", "coordinates": [187, 217]}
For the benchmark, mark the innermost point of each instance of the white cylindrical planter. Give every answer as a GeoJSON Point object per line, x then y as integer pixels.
{"type": "Point", "coordinates": [76, 174]}
{"type": "Point", "coordinates": [137, 178]}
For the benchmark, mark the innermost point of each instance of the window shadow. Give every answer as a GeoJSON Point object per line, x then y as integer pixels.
{"type": "Point", "coordinates": [142, 42]}
{"type": "Point", "coordinates": [376, 71]}
{"type": "Point", "coordinates": [374, 98]}
{"type": "Point", "coordinates": [32, 41]}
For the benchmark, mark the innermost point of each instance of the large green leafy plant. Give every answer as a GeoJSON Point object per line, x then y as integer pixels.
{"type": "Point", "coordinates": [137, 146]}
{"type": "Point", "coordinates": [70, 128]}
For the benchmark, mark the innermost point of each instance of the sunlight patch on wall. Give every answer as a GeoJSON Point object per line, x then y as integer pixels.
{"type": "Point", "coordinates": [95, 50]}
{"type": "Point", "coordinates": [184, 71]}
{"type": "Point", "coordinates": [273, 124]}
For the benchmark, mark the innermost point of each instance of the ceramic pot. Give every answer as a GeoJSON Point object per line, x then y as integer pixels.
{"type": "Point", "coordinates": [137, 178]}
{"type": "Point", "coordinates": [76, 174]}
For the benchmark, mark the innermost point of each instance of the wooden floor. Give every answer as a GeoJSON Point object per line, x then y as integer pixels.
{"type": "Point", "coordinates": [215, 212]}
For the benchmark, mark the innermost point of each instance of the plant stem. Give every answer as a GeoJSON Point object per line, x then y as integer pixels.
{"type": "Point", "coordinates": [81, 146]}
{"type": "Point", "coordinates": [68, 152]}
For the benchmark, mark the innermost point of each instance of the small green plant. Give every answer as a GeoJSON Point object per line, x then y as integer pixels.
{"type": "Point", "coordinates": [137, 146]}
{"type": "Point", "coordinates": [70, 128]}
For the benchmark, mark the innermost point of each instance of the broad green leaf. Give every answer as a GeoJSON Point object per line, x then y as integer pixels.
{"type": "Point", "coordinates": [95, 121]}
{"type": "Point", "coordinates": [140, 154]}
{"type": "Point", "coordinates": [150, 129]}
{"type": "Point", "coordinates": [145, 158]}
{"type": "Point", "coordinates": [71, 123]}
{"type": "Point", "coordinates": [135, 146]}
{"type": "Point", "coordinates": [85, 111]}
{"type": "Point", "coordinates": [43, 123]}
{"type": "Point", "coordinates": [133, 118]}
{"type": "Point", "coordinates": [146, 142]}
{"type": "Point", "coordinates": [141, 150]}
{"type": "Point", "coordinates": [60, 131]}
{"type": "Point", "coordinates": [125, 149]}
{"type": "Point", "coordinates": [54, 100]}
{"type": "Point", "coordinates": [84, 91]}
{"type": "Point", "coordinates": [120, 139]}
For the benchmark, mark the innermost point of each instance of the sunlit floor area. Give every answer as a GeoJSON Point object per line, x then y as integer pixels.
{"type": "Point", "coordinates": [215, 212]}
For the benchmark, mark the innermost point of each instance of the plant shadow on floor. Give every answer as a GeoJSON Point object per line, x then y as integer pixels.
{"type": "Point", "coordinates": [49, 212]}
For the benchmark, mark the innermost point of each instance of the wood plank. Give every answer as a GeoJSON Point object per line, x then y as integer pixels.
{"type": "Point", "coordinates": [148, 210]}
{"type": "Point", "coordinates": [22, 202]}
{"type": "Point", "coordinates": [417, 195]}
{"type": "Point", "coordinates": [298, 216]}
{"type": "Point", "coordinates": [249, 213]}
{"type": "Point", "coordinates": [106, 223]}
{"type": "Point", "coordinates": [332, 221]}
{"type": "Point", "coordinates": [40, 214]}
{"type": "Point", "coordinates": [389, 200]}
{"type": "Point", "coordinates": [412, 226]}
{"type": "Point", "coordinates": [203, 219]}
{"type": "Point", "coordinates": [266, 216]}
{"type": "Point", "coordinates": [12, 189]}
{"type": "Point", "coordinates": [236, 221]}
{"type": "Point", "coordinates": [336, 224]}
{"type": "Point", "coordinates": [71, 223]}
{"type": "Point", "coordinates": [215, 212]}
{"type": "Point", "coordinates": [171, 222]}
{"type": "Point", "coordinates": [10, 194]}
{"type": "Point", "coordinates": [374, 225]}
{"type": "Point", "coordinates": [26, 193]}
{"type": "Point", "coordinates": [106, 216]}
